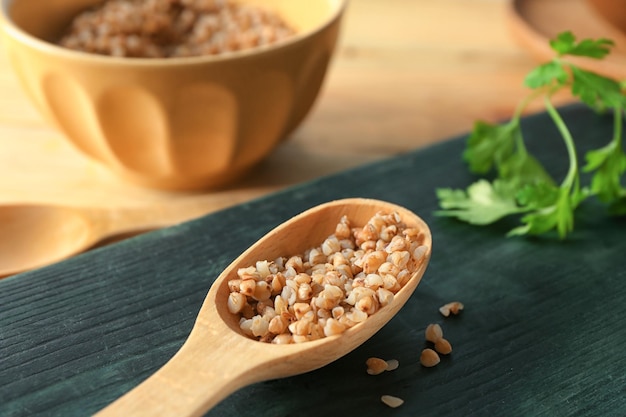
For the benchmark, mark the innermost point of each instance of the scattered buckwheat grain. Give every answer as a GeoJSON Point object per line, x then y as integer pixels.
{"type": "Point", "coordinates": [376, 366]}
{"type": "Point", "coordinates": [433, 332]}
{"type": "Point", "coordinates": [391, 401]}
{"type": "Point", "coordinates": [443, 346]}
{"type": "Point", "coordinates": [453, 307]}
{"type": "Point", "coordinates": [429, 358]}
{"type": "Point", "coordinates": [392, 364]}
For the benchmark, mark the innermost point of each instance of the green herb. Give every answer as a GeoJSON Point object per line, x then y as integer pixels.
{"type": "Point", "coordinates": [521, 186]}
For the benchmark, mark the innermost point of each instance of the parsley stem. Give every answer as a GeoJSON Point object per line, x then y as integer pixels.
{"type": "Point", "coordinates": [521, 107]}
{"type": "Point", "coordinates": [517, 116]}
{"type": "Point", "coordinates": [617, 126]}
{"type": "Point", "coordinates": [572, 173]}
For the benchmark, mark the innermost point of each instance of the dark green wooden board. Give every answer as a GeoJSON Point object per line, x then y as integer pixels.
{"type": "Point", "coordinates": [542, 333]}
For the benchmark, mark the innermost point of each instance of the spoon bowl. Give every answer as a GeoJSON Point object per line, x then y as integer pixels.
{"type": "Point", "coordinates": [218, 359]}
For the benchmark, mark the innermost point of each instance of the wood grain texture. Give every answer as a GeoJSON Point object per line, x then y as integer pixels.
{"type": "Point", "coordinates": [540, 334]}
{"type": "Point", "coordinates": [202, 373]}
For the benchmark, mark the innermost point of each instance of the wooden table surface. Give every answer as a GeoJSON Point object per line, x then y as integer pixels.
{"type": "Point", "coordinates": [407, 73]}
{"type": "Point", "coordinates": [540, 334]}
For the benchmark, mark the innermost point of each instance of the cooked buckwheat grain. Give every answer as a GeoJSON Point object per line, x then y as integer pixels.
{"type": "Point", "coordinates": [327, 289]}
{"type": "Point", "coordinates": [429, 358]}
{"type": "Point", "coordinates": [443, 346]}
{"type": "Point", "coordinates": [453, 307]}
{"type": "Point", "coordinates": [376, 366]}
{"type": "Point", "coordinates": [173, 28]}
{"type": "Point", "coordinates": [392, 401]}
{"type": "Point", "coordinates": [433, 332]}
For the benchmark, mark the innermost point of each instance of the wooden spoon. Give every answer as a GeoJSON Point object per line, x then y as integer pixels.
{"type": "Point", "coordinates": [217, 359]}
{"type": "Point", "coordinates": [34, 235]}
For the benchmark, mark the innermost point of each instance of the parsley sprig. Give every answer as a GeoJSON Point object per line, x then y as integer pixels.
{"type": "Point", "coordinates": [521, 185]}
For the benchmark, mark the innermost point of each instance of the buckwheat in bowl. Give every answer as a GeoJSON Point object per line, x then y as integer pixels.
{"type": "Point", "coordinates": [176, 94]}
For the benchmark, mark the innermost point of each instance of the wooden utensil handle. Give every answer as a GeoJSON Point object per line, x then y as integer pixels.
{"type": "Point", "coordinates": [112, 222]}
{"type": "Point", "coordinates": [186, 386]}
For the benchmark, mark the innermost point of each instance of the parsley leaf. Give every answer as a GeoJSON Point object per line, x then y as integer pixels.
{"type": "Point", "coordinates": [549, 74]}
{"type": "Point", "coordinates": [521, 185]}
{"type": "Point", "coordinates": [489, 144]}
{"type": "Point", "coordinates": [608, 165]}
{"type": "Point", "coordinates": [565, 44]}
{"type": "Point", "coordinates": [482, 203]}
{"type": "Point", "coordinates": [522, 168]}
{"type": "Point", "coordinates": [595, 90]}
{"type": "Point", "coordinates": [559, 215]}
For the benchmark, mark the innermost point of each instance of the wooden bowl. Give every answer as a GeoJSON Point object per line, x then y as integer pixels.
{"type": "Point", "coordinates": [613, 11]}
{"type": "Point", "coordinates": [174, 123]}
{"type": "Point", "coordinates": [534, 22]}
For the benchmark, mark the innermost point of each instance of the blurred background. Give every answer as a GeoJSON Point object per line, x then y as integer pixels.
{"type": "Point", "coordinates": [406, 74]}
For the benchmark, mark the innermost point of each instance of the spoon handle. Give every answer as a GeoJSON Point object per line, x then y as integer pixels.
{"type": "Point", "coordinates": [111, 222]}
{"type": "Point", "coordinates": [195, 379]}
{"type": "Point", "coordinates": [130, 220]}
